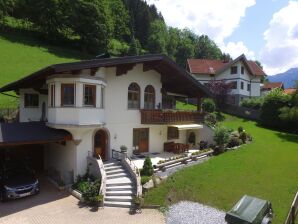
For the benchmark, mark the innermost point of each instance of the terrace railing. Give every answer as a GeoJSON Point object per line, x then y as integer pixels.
{"type": "Point", "coordinates": [292, 215]}
{"type": "Point", "coordinates": [170, 117]}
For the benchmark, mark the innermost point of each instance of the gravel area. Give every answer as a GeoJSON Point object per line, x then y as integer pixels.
{"type": "Point", "coordinates": [194, 213]}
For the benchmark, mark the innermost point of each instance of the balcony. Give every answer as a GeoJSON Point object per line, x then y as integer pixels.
{"type": "Point", "coordinates": [170, 117]}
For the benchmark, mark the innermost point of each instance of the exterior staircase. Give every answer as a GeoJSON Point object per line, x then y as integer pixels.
{"type": "Point", "coordinates": [120, 187]}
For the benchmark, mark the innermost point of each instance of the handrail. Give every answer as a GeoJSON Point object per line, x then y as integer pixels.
{"type": "Point", "coordinates": [135, 172]}
{"type": "Point", "coordinates": [293, 211]}
{"type": "Point", "coordinates": [116, 154]}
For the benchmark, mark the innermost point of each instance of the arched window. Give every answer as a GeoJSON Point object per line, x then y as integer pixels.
{"type": "Point", "coordinates": [133, 96]}
{"type": "Point", "coordinates": [149, 98]}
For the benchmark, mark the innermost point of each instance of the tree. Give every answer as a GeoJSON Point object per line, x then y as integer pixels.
{"type": "Point", "coordinates": [6, 7]}
{"type": "Point", "coordinates": [134, 47]}
{"type": "Point", "coordinates": [220, 90]}
{"type": "Point", "coordinates": [158, 37]}
{"type": "Point", "coordinates": [221, 136]}
{"type": "Point", "coordinates": [207, 49]}
{"type": "Point", "coordinates": [147, 167]}
{"type": "Point", "coordinates": [208, 105]}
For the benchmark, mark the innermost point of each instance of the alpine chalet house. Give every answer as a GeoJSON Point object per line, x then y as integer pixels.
{"type": "Point", "coordinates": [92, 108]}
{"type": "Point", "coordinates": [244, 76]}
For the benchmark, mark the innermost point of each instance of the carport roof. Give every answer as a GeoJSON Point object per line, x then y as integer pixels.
{"type": "Point", "coordinates": [30, 133]}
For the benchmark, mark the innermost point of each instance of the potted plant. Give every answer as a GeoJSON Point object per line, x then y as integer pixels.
{"type": "Point", "coordinates": [123, 149]}
{"type": "Point", "coordinates": [137, 201]}
{"type": "Point", "coordinates": [98, 200]}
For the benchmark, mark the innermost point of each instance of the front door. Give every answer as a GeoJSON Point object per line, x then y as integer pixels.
{"type": "Point", "coordinates": [100, 144]}
{"type": "Point", "coordinates": [141, 139]}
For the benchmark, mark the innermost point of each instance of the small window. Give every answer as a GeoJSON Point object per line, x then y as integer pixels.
{"type": "Point", "coordinates": [173, 133]}
{"type": "Point", "coordinates": [90, 95]}
{"type": "Point", "coordinates": [52, 89]}
{"type": "Point", "coordinates": [67, 94]}
{"type": "Point", "coordinates": [149, 101]}
{"type": "Point", "coordinates": [242, 70]}
{"type": "Point", "coordinates": [234, 70]}
{"type": "Point", "coordinates": [233, 85]}
{"type": "Point", "coordinates": [133, 96]}
{"type": "Point", "coordinates": [242, 85]}
{"type": "Point", "coordinates": [31, 100]}
{"type": "Point", "coordinates": [102, 97]}
{"type": "Point", "coordinates": [248, 87]}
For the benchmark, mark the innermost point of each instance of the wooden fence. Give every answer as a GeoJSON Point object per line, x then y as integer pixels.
{"type": "Point", "coordinates": [293, 211]}
{"type": "Point", "coordinates": [241, 112]}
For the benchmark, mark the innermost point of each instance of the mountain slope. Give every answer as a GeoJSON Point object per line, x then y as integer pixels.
{"type": "Point", "coordinates": [288, 77]}
{"type": "Point", "coordinates": [21, 56]}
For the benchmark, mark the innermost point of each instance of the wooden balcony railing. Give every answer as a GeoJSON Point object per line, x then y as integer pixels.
{"type": "Point", "coordinates": [170, 117]}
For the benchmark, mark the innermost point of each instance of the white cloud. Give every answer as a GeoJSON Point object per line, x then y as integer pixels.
{"type": "Point", "coordinates": [281, 50]}
{"type": "Point", "coordinates": [236, 49]}
{"type": "Point", "coordinates": [216, 18]}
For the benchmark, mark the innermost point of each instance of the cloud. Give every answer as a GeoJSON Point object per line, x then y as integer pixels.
{"type": "Point", "coordinates": [236, 49]}
{"type": "Point", "coordinates": [280, 52]}
{"type": "Point", "coordinates": [216, 18]}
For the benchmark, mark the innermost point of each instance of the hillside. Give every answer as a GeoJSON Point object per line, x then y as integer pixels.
{"type": "Point", "coordinates": [21, 56]}
{"type": "Point", "coordinates": [288, 77]}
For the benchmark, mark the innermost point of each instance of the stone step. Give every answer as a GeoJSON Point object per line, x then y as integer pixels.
{"type": "Point", "coordinates": [118, 181]}
{"type": "Point", "coordinates": [110, 168]}
{"type": "Point", "coordinates": [117, 176]}
{"type": "Point", "coordinates": [120, 193]}
{"type": "Point", "coordinates": [119, 204]}
{"type": "Point", "coordinates": [118, 198]}
{"type": "Point", "coordinates": [112, 163]}
{"type": "Point", "coordinates": [126, 187]}
{"type": "Point", "coordinates": [116, 171]}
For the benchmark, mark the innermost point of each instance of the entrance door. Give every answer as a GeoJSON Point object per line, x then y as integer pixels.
{"type": "Point", "coordinates": [141, 139]}
{"type": "Point", "coordinates": [100, 144]}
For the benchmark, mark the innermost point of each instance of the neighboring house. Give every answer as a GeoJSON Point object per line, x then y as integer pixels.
{"type": "Point", "coordinates": [268, 86]}
{"type": "Point", "coordinates": [290, 91]}
{"type": "Point", "coordinates": [73, 110]}
{"type": "Point", "coordinates": [244, 76]}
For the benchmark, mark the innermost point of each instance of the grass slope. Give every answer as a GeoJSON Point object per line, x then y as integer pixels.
{"type": "Point", "coordinates": [266, 168]}
{"type": "Point", "coordinates": [20, 56]}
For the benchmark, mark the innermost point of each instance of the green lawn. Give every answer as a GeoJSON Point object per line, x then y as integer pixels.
{"type": "Point", "coordinates": [266, 168]}
{"type": "Point", "coordinates": [184, 106]}
{"type": "Point", "coordinates": [20, 56]}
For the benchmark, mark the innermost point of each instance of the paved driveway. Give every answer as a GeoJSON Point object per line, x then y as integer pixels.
{"type": "Point", "coordinates": [54, 207]}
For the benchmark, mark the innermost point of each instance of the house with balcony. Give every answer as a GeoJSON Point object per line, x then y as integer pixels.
{"type": "Point", "coordinates": [74, 110]}
{"type": "Point", "coordinates": [244, 75]}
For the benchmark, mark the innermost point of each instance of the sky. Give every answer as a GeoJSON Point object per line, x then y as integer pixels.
{"type": "Point", "coordinates": [264, 30]}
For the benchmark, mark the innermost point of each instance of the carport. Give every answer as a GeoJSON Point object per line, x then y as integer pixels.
{"type": "Point", "coordinates": [27, 141]}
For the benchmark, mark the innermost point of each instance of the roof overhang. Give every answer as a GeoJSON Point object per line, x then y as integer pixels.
{"type": "Point", "coordinates": [12, 134]}
{"type": "Point", "coordinates": [173, 78]}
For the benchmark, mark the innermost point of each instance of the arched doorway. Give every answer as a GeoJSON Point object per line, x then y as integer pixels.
{"type": "Point", "coordinates": [101, 144]}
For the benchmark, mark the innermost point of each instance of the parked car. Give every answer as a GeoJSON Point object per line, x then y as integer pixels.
{"type": "Point", "coordinates": [17, 181]}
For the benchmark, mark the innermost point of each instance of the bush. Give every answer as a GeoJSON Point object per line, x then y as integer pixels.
{"type": "Point", "coordinates": [221, 136]}
{"type": "Point", "coordinates": [252, 103]}
{"type": "Point", "coordinates": [210, 120]}
{"type": "Point", "coordinates": [203, 145]}
{"type": "Point", "coordinates": [240, 129]}
{"type": "Point", "coordinates": [234, 141]}
{"type": "Point", "coordinates": [145, 179]}
{"type": "Point", "coordinates": [243, 137]}
{"type": "Point", "coordinates": [270, 111]}
{"type": "Point", "coordinates": [208, 105]}
{"type": "Point", "coordinates": [92, 191]}
{"type": "Point", "coordinates": [147, 167]}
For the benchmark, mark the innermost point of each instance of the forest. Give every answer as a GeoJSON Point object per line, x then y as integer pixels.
{"type": "Point", "coordinates": [105, 27]}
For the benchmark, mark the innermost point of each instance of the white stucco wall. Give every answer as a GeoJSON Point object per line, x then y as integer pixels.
{"type": "Point", "coordinates": [31, 113]}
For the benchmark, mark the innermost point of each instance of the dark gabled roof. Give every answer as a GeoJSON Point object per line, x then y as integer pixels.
{"type": "Point", "coordinates": [174, 78]}
{"type": "Point", "coordinates": [206, 66]}
{"type": "Point", "coordinates": [30, 133]}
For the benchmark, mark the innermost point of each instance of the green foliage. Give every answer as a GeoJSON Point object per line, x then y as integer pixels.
{"type": "Point", "coordinates": [206, 48]}
{"type": "Point", "coordinates": [252, 103]}
{"type": "Point", "coordinates": [147, 167]}
{"type": "Point", "coordinates": [208, 105]}
{"type": "Point", "coordinates": [6, 7]}
{"type": "Point", "coordinates": [270, 110]}
{"type": "Point", "coordinates": [145, 179]}
{"type": "Point", "coordinates": [92, 191]}
{"type": "Point", "coordinates": [243, 136]}
{"type": "Point", "coordinates": [158, 37]}
{"type": "Point", "coordinates": [221, 135]}
{"type": "Point", "coordinates": [233, 142]}
{"type": "Point", "coordinates": [240, 129]}
{"type": "Point", "coordinates": [210, 119]}
{"type": "Point", "coordinates": [118, 48]}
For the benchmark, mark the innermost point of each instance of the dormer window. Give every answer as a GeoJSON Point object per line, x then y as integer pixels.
{"type": "Point", "coordinates": [234, 70]}
{"type": "Point", "coordinates": [90, 95]}
{"type": "Point", "coordinates": [67, 95]}
{"type": "Point", "coordinates": [31, 100]}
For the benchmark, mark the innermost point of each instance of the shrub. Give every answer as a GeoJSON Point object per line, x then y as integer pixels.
{"type": "Point", "coordinates": [147, 167]}
{"type": "Point", "coordinates": [203, 145]}
{"type": "Point", "coordinates": [243, 137]}
{"type": "Point", "coordinates": [92, 191]}
{"type": "Point", "coordinates": [208, 105]}
{"type": "Point", "coordinates": [234, 141]}
{"type": "Point", "coordinates": [252, 103]}
{"type": "Point", "coordinates": [270, 110]}
{"type": "Point", "coordinates": [221, 136]}
{"type": "Point", "coordinates": [123, 148]}
{"type": "Point", "coordinates": [240, 129]}
{"type": "Point", "coordinates": [145, 179]}
{"type": "Point", "coordinates": [210, 120]}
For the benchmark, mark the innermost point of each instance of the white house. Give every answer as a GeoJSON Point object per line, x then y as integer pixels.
{"type": "Point", "coordinates": [73, 110]}
{"type": "Point", "coordinates": [244, 76]}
